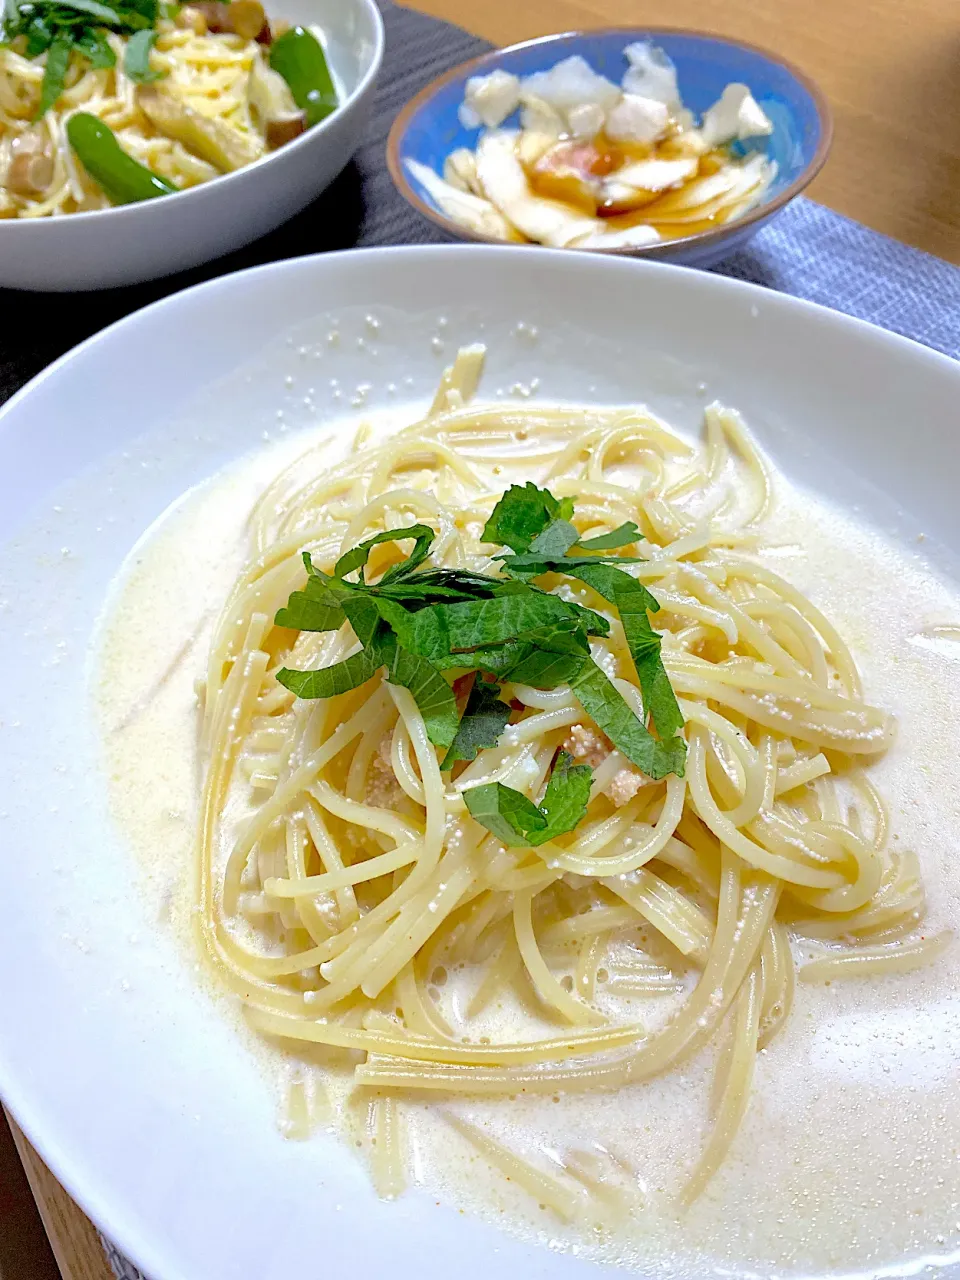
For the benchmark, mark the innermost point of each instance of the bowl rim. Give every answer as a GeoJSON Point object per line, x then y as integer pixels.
{"type": "Point", "coordinates": [663, 247]}
{"type": "Point", "coordinates": [114, 212]}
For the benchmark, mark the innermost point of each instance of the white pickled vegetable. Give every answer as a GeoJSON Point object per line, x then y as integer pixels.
{"type": "Point", "coordinates": [625, 238]}
{"type": "Point", "coordinates": [571, 83]}
{"type": "Point", "coordinates": [470, 211]}
{"type": "Point", "coordinates": [489, 99]}
{"type": "Point", "coordinates": [734, 117]}
{"type": "Point", "coordinates": [636, 119]}
{"type": "Point", "coordinates": [506, 186]}
{"type": "Point", "coordinates": [585, 120]}
{"type": "Point", "coordinates": [651, 74]}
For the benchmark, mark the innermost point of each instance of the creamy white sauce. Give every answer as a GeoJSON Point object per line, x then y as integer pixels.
{"type": "Point", "coordinates": [849, 1159]}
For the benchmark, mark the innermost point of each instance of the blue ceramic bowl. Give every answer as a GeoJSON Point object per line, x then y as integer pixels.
{"type": "Point", "coordinates": [427, 129]}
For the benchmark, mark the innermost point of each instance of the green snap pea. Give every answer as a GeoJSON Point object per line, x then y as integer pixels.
{"type": "Point", "coordinates": [298, 56]}
{"type": "Point", "coordinates": [122, 178]}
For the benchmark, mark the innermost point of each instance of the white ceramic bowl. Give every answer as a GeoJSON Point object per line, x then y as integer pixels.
{"type": "Point", "coordinates": [137, 1088]}
{"type": "Point", "coordinates": [138, 242]}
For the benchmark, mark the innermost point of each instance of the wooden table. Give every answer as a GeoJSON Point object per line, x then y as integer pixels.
{"type": "Point", "coordinates": [892, 73]}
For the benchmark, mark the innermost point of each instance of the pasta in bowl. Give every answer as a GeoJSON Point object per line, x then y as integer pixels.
{"type": "Point", "coordinates": [107, 111]}
{"type": "Point", "coordinates": [153, 100]}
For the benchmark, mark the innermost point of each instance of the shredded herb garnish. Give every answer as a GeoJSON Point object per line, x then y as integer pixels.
{"type": "Point", "coordinates": [60, 28]}
{"type": "Point", "coordinates": [419, 623]}
{"type": "Point", "coordinates": [518, 822]}
{"type": "Point", "coordinates": [136, 61]}
{"type": "Point", "coordinates": [484, 719]}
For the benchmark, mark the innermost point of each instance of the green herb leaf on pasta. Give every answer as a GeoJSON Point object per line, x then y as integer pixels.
{"type": "Point", "coordinates": [357, 558]}
{"type": "Point", "coordinates": [522, 514]}
{"type": "Point", "coordinates": [315, 608]}
{"type": "Point", "coordinates": [462, 635]}
{"type": "Point", "coordinates": [633, 601]}
{"type": "Point", "coordinates": [39, 37]}
{"type": "Point", "coordinates": [527, 565]}
{"type": "Point", "coordinates": [104, 13]}
{"type": "Point", "coordinates": [138, 13]}
{"type": "Point", "coordinates": [505, 813]}
{"type": "Point", "coordinates": [555, 541]}
{"type": "Point", "coordinates": [54, 73]}
{"type": "Point", "coordinates": [484, 719]}
{"type": "Point", "coordinates": [518, 822]}
{"type": "Point", "coordinates": [136, 61]}
{"type": "Point", "coordinates": [95, 47]}
{"type": "Point", "coordinates": [328, 682]}
{"type": "Point", "coordinates": [604, 704]}
{"type": "Point", "coordinates": [432, 694]}
{"type": "Point", "coordinates": [436, 585]}
{"type": "Point", "coordinates": [565, 800]}
{"type": "Point", "coordinates": [549, 656]}
{"type": "Point", "coordinates": [420, 622]}
{"type": "Point", "coordinates": [623, 536]}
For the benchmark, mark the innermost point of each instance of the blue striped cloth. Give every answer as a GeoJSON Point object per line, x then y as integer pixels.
{"type": "Point", "coordinates": [814, 253]}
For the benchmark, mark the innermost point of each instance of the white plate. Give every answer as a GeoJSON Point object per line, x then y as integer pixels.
{"type": "Point", "coordinates": [124, 1074]}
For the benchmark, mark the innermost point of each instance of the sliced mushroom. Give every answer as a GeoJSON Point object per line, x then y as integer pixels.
{"type": "Point", "coordinates": [273, 105]}
{"type": "Point", "coordinates": [244, 18]}
{"type": "Point", "coordinates": [219, 144]}
{"type": "Point", "coordinates": [279, 132]}
{"type": "Point", "coordinates": [189, 18]}
{"type": "Point", "coordinates": [31, 166]}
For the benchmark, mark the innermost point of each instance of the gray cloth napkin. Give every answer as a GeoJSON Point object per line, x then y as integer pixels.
{"type": "Point", "coordinates": [808, 251]}
{"type": "Point", "coordinates": [814, 253]}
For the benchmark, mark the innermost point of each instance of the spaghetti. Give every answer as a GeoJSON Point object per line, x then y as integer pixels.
{"type": "Point", "coordinates": [340, 875]}
{"type": "Point", "coordinates": [205, 100]}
